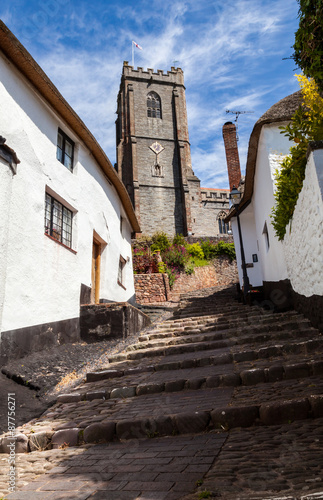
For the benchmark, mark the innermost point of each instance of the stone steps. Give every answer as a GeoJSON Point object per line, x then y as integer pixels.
{"type": "Point", "coordinates": [244, 367]}
{"type": "Point", "coordinates": [202, 378]}
{"type": "Point", "coordinates": [209, 344]}
{"type": "Point", "coordinates": [220, 322]}
{"type": "Point", "coordinates": [211, 333]}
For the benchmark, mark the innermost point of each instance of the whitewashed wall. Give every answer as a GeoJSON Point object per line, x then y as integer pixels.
{"type": "Point", "coordinates": [6, 176]}
{"type": "Point", "coordinates": [249, 240]}
{"type": "Point", "coordinates": [272, 147]}
{"type": "Point", "coordinates": [303, 242]}
{"type": "Point", "coordinates": [42, 277]}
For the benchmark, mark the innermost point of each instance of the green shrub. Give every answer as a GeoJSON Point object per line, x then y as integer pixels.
{"type": "Point", "coordinates": [179, 239]}
{"type": "Point", "coordinates": [306, 125]}
{"type": "Point", "coordinates": [162, 268]}
{"type": "Point", "coordinates": [189, 267]}
{"type": "Point", "coordinates": [154, 248]}
{"type": "Point", "coordinates": [209, 250]}
{"type": "Point", "coordinates": [195, 250]}
{"type": "Point", "coordinates": [172, 275]}
{"type": "Point", "coordinates": [160, 240]}
{"type": "Point", "coordinates": [228, 249]}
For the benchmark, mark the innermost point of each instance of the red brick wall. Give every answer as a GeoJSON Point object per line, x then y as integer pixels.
{"type": "Point", "coordinates": [232, 153]}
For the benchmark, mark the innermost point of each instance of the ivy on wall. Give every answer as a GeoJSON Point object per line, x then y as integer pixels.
{"type": "Point", "coordinates": [306, 125]}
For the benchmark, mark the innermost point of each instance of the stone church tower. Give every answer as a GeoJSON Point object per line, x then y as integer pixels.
{"type": "Point", "coordinates": [154, 157]}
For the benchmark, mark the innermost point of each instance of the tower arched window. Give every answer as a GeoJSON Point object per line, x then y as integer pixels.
{"type": "Point", "coordinates": [153, 105]}
{"type": "Point", "coordinates": [223, 227]}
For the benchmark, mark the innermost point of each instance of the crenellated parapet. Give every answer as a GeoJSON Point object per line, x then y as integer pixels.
{"type": "Point", "coordinates": [175, 76]}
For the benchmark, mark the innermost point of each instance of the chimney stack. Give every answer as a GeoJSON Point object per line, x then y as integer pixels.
{"type": "Point", "coordinates": [232, 154]}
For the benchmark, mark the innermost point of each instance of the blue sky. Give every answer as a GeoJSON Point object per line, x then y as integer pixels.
{"type": "Point", "coordinates": [231, 53]}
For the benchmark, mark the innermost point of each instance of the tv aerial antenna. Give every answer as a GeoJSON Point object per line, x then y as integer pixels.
{"type": "Point", "coordinates": [238, 113]}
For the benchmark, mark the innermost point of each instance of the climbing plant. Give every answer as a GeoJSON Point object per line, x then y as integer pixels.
{"type": "Point", "coordinates": [306, 125]}
{"type": "Point", "coordinates": [308, 46]}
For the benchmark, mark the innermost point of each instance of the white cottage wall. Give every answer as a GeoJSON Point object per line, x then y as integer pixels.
{"type": "Point", "coordinates": [43, 277]}
{"type": "Point", "coordinates": [249, 240]}
{"type": "Point", "coordinates": [6, 176]}
{"type": "Point", "coordinates": [303, 242]}
{"type": "Point", "coordinates": [272, 147]}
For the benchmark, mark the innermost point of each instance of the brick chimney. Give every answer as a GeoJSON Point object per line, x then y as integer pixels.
{"type": "Point", "coordinates": [232, 154]}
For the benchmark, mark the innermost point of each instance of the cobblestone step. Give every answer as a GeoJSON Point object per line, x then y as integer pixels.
{"type": "Point", "coordinates": [211, 333]}
{"type": "Point", "coordinates": [236, 380]}
{"type": "Point", "coordinates": [208, 344]}
{"type": "Point", "coordinates": [202, 377]}
{"type": "Point", "coordinates": [188, 413]}
{"type": "Point", "coordinates": [220, 322]}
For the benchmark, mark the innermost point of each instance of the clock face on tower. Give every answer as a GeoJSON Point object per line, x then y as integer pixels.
{"type": "Point", "coordinates": [157, 148]}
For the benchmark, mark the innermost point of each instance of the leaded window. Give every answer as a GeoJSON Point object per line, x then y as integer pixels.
{"type": "Point", "coordinates": [153, 105]}
{"type": "Point", "coordinates": [65, 150]}
{"type": "Point", "coordinates": [58, 221]}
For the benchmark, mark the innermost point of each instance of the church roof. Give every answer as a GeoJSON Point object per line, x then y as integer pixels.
{"type": "Point", "coordinates": [282, 111]}
{"type": "Point", "coordinates": [23, 61]}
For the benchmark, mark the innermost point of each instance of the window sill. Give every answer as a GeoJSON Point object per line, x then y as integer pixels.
{"type": "Point", "coordinates": [60, 243]}
{"type": "Point", "coordinates": [122, 286]}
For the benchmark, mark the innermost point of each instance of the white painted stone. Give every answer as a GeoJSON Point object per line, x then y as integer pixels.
{"type": "Point", "coordinates": [40, 278]}
{"type": "Point", "coordinates": [303, 242]}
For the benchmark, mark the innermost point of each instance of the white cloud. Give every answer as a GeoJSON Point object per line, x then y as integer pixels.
{"type": "Point", "coordinates": [230, 52]}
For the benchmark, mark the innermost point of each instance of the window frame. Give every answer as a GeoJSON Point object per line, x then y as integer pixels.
{"type": "Point", "coordinates": [55, 229]}
{"type": "Point", "coordinates": [62, 157]}
{"type": "Point", "coordinates": [154, 105]}
{"type": "Point", "coordinates": [122, 265]}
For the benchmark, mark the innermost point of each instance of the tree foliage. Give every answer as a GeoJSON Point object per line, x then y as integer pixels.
{"type": "Point", "coordinates": [308, 46]}
{"type": "Point", "coordinates": [306, 125]}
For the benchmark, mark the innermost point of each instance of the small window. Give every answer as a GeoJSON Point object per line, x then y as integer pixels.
{"type": "Point", "coordinates": [223, 227]}
{"type": "Point", "coordinates": [65, 150]}
{"type": "Point", "coordinates": [122, 263]}
{"type": "Point", "coordinates": [153, 105]}
{"type": "Point", "coordinates": [58, 221]}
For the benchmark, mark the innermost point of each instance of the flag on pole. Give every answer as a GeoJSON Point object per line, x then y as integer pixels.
{"type": "Point", "coordinates": [136, 44]}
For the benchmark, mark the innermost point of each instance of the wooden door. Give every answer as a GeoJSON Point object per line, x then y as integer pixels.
{"type": "Point", "coordinates": [96, 255]}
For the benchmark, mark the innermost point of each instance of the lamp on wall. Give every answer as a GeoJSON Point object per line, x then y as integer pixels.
{"type": "Point", "coordinates": [235, 197]}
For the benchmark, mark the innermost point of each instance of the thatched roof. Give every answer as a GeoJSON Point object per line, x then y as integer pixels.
{"type": "Point", "coordinates": [282, 111]}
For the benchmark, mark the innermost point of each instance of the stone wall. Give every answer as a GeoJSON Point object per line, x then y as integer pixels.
{"type": "Point", "coordinates": [220, 273]}
{"type": "Point", "coordinates": [109, 321]}
{"type": "Point", "coordinates": [152, 288]}
{"type": "Point", "coordinates": [303, 245]}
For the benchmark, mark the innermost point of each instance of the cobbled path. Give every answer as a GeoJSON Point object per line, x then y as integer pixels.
{"type": "Point", "coordinates": [219, 401]}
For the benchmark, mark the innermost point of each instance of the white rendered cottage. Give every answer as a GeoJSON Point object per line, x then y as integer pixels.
{"type": "Point", "coordinates": [289, 271]}
{"type": "Point", "coordinates": [66, 218]}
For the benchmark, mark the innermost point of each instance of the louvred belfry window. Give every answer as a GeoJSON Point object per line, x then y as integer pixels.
{"type": "Point", "coordinates": [153, 105]}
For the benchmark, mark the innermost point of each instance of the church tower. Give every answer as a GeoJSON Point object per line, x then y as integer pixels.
{"type": "Point", "coordinates": [153, 150]}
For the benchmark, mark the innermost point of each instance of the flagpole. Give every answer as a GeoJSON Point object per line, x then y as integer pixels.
{"type": "Point", "coordinates": [133, 52]}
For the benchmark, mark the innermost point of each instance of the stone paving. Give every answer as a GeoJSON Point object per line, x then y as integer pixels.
{"type": "Point", "coordinates": [220, 401]}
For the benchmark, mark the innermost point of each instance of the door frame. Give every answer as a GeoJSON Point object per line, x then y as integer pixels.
{"type": "Point", "coordinates": [96, 269]}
